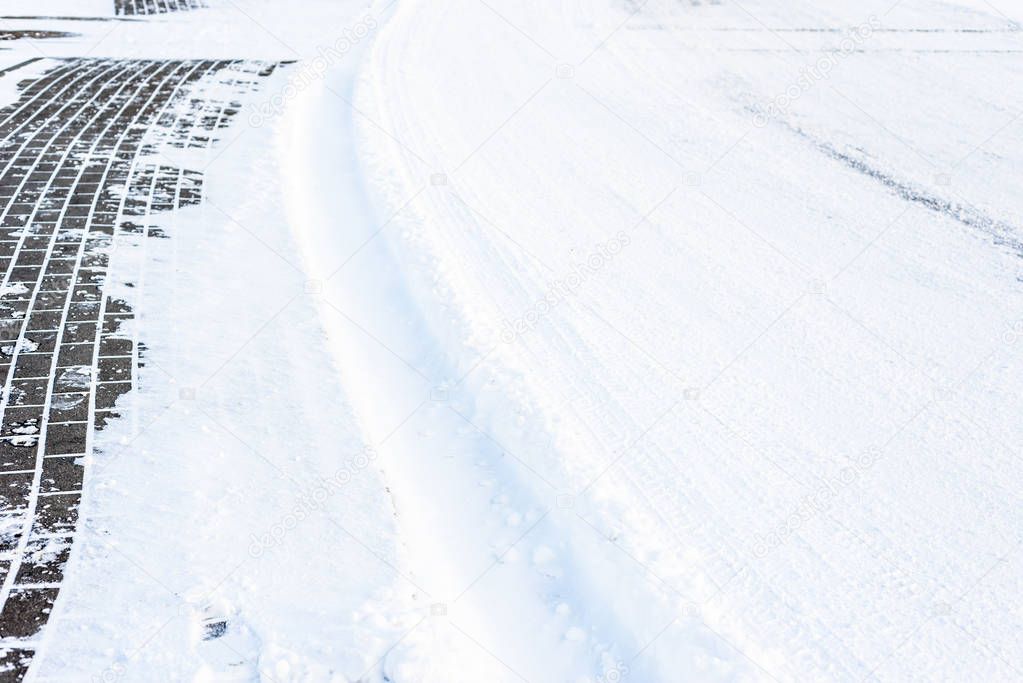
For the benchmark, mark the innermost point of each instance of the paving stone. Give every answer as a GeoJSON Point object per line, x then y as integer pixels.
{"type": "Point", "coordinates": [115, 346]}
{"type": "Point", "coordinates": [75, 354]}
{"type": "Point", "coordinates": [69, 407]}
{"type": "Point", "coordinates": [80, 332]}
{"type": "Point", "coordinates": [14, 491]}
{"type": "Point", "coordinates": [40, 342]}
{"type": "Point", "coordinates": [44, 561]}
{"type": "Point", "coordinates": [21, 421]}
{"type": "Point", "coordinates": [115, 369]}
{"type": "Point", "coordinates": [62, 439]}
{"type": "Point", "coordinates": [14, 663]}
{"type": "Point", "coordinates": [26, 611]}
{"type": "Point", "coordinates": [61, 474]}
{"type": "Point", "coordinates": [28, 392]}
{"type": "Point", "coordinates": [44, 320]}
{"type": "Point", "coordinates": [107, 394]}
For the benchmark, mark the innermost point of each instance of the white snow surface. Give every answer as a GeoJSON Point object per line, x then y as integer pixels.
{"type": "Point", "coordinates": [645, 341]}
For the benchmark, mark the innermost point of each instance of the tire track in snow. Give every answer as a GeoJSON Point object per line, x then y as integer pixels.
{"type": "Point", "coordinates": [1003, 234]}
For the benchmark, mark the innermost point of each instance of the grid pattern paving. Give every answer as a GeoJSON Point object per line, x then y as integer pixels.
{"type": "Point", "coordinates": [33, 35]}
{"type": "Point", "coordinates": [133, 7]}
{"type": "Point", "coordinates": [80, 175]}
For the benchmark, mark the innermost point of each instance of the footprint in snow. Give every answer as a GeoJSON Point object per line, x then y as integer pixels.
{"type": "Point", "coordinates": [228, 648]}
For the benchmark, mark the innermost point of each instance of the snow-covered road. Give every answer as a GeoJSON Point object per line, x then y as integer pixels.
{"type": "Point", "coordinates": [727, 296]}
{"type": "Point", "coordinates": [570, 341]}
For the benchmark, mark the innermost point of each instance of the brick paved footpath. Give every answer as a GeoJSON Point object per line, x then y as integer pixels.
{"type": "Point", "coordinates": [133, 7]}
{"type": "Point", "coordinates": [79, 173]}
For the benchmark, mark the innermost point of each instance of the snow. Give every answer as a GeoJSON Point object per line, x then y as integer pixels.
{"type": "Point", "coordinates": [762, 335]}
{"type": "Point", "coordinates": [576, 341]}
